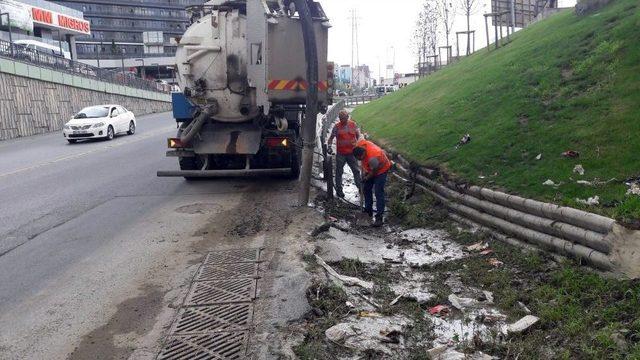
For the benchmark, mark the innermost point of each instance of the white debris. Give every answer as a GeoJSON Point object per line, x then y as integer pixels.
{"type": "Point", "coordinates": [370, 333]}
{"type": "Point", "coordinates": [425, 248]}
{"type": "Point", "coordinates": [584, 182]}
{"type": "Point", "coordinates": [592, 201]}
{"type": "Point", "coordinates": [550, 183]}
{"type": "Point", "coordinates": [478, 246]}
{"type": "Point", "coordinates": [489, 296]}
{"type": "Point", "coordinates": [578, 169]}
{"type": "Point", "coordinates": [347, 280]}
{"type": "Point", "coordinates": [462, 303]}
{"type": "Point", "coordinates": [634, 189]}
{"type": "Point", "coordinates": [539, 157]}
{"type": "Point", "coordinates": [521, 325]}
{"type": "Point", "coordinates": [524, 307]}
{"type": "Point", "coordinates": [446, 352]}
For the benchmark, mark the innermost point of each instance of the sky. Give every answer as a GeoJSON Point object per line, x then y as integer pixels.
{"type": "Point", "coordinates": [385, 27]}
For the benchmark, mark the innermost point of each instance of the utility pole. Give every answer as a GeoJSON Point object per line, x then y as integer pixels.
{"type": "Point", "coordinates": [311, 113]}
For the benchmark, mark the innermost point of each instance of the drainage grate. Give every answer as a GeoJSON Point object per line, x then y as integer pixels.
{"type": "Point", "coordinates": [227, 346]}
{"type": "Point", "coordinates": [227, 271]}
{"type": "Point", "coordinates": [215, 318]}
{"type": "Point", "coordinates": [221, 292]}
{"type": "Point", "coordinates": [232, 256]}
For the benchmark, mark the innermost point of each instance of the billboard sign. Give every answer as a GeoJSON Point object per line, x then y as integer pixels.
{"type": "Point", "coordinates": [19, 13]}
{"type": "Point", "coordinates": [60, 21]}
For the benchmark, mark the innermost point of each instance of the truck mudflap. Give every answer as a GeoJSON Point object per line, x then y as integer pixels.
{"type": "Point", "coordinates": [224, 173]}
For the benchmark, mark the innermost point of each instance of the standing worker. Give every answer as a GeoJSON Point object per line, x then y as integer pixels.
{"type": "Point", "coordinates": [347, 134]}
{"type": "Point", "coordinates": [375, 166]}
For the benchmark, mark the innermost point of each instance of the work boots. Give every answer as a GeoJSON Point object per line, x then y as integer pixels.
{"type": "Point", "coordinates": [379, 221]}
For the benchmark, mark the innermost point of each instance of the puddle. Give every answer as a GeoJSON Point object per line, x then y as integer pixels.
{"type": "Point", "coordinates": [423, 247]}
{"type": "Point", "coordinates": [383, 334]}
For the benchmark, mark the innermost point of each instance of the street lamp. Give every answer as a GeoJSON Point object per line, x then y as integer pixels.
{"type": "Point", "coordinates": [60, 42]}
{"type": "Point", "coordinates": [122, 52]}
{"type": "Point", "coordinates": [9, 24]}
{"type": "Point", "coordinates": [142, 72]}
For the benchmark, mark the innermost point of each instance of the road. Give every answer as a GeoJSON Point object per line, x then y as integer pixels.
{"type": "Point", "coordinates": [96, 251]}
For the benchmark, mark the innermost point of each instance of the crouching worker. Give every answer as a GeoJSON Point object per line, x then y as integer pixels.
{"type": "Point", "coordinates": [375, 166]}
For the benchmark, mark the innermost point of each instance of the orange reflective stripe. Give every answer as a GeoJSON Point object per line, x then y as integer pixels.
{"type": "Point", "coordinates": [374, 151]}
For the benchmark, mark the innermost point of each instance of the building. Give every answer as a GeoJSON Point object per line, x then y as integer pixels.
{"type": "Point", "coordinates": [136, 34]}
{"type": "Point", "coordinates": [362, 77]}
{"type": "Point", "coordinates": [44, 22]}
{"type": "Point", "coordinates": [345, 74]}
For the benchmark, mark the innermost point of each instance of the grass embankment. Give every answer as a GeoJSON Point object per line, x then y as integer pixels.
{"type": "Point", "coordinates": [566, 83]}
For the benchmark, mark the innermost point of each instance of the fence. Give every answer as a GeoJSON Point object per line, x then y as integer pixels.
{"type": "Point", "coordinates": [359, 99]}
{"type": "Point", "coordinates": [42, 59]}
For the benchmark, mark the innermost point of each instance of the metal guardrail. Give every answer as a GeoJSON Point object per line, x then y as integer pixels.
{"type": "Point", "coordinates": [360, 99]}
{"type": "Point", "coordinates": [58, 63]}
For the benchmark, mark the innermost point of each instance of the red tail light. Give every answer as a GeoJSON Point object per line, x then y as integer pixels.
{"type": "Point", "coordinates": [277, 142]}
{"type": "Point", "coordinates": [175, 143]}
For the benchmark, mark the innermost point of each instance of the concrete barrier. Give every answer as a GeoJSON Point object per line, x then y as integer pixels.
{"type": "Point", "coordinates": [35, 100]}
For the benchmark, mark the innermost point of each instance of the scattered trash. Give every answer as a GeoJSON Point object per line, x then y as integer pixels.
{"type": "Point", "coordinates": [369, 314]}
{"type": "Point", "coordinates": [465, 140]}
{"type": "Point", "coordinates": [524, 307]}
{"type": "Point", "coordinates": [592, 201]}
{"type": "Point", "coordinates": [634, 189]}
{"type": "Point", "coordinates": [495, 262]}
{"type": "Point", "coordinates": [347, 280]}
{"type": "Point", "coordinates": [571, 154]}
{"type": "Point", "coordinates": [439, 310]}
{"type": "Point", "coordinates": [378, 334]}
{"type": "Point", "coordinates": [478, 246]}
{"type": "Point", "coordinates": [395, 301]}
{"type": "Point", "coordinates": [486, 252]}
{"type": "Point", "coordinates": [521, 325]}
{"type": "Point", "coordinates": [539, 157]}
{"type": "Point", "coordinates": [446, 352]}
{"type": "Point", "coordinates": [551, 183]}
{"type": "Point", "coordinates": [584, 182]}
{"type": "Point", "coordinates": [349, 304]}
{"type": "Point", "coordinates": [462, 303]}
{"type": "Point", "coordinates": [488, 295]}
{"type": "Point", "coordinates": [578, 169]}
{"type": "Point", "coordinates": [492, 319]}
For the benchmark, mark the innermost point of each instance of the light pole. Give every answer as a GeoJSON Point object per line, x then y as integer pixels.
{"type": "Point", "coordinates": [142, 72]}
{"type": "Point", "coordinates": [10, 35]}
{"type": "Point", "coordinates": [98, 53]}
{"type": "Point", "coordinates": [122, 52]}
{"type": "Point", "coordinates": [60, 43]}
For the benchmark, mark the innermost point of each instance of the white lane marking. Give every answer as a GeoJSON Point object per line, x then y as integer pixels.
{"type": "Point", "coordinates": [78, 155]}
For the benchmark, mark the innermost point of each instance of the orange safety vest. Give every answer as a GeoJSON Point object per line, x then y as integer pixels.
{"type": "Point", "coordinates": [347, 136]}
{"type": "Point", "coordinates": [374, 151]}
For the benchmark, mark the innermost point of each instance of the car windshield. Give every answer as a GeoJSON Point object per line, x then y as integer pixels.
{"type": "Point", "coordinates": [93, 112]}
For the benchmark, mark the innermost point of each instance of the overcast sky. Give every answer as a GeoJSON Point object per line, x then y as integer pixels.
{"type": "Point", "coordinates": [385, 25]}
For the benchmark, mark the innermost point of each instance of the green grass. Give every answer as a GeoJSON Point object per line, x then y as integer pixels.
{"type": "Point", "coordinates": [566, 83]}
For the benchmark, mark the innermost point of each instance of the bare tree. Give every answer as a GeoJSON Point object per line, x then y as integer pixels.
{"type": "Point", "coordinates": [425, 37]}
{"type": "Point", "coordinates": [446, 14]}
{"type": "Point", "coordinates": [468, 8]}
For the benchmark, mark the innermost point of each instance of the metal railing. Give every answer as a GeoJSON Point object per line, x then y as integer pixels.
{"type": "Point", "coordinates": [58, 63]}
{"type": "Point", "coordinates": [360, 99]}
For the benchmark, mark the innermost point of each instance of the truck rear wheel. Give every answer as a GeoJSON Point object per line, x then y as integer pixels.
{"type": "Point", "coordinates": [189, 163]}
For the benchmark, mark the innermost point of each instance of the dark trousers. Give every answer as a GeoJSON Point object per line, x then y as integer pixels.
{"type": "Point", "coordinates": [371, 186]}
{"type": "Point", "coordinates": [350, 160]}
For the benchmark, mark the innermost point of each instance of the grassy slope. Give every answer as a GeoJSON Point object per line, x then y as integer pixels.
{"type": "Point", "coordinates": [566, 83]}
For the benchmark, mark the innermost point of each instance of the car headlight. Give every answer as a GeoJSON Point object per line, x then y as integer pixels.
{"type": "Point", "coordinates": [100, 124]}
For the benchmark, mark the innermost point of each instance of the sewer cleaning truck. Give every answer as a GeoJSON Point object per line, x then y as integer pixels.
{"type": "Point", "coordinates": [242, 70]}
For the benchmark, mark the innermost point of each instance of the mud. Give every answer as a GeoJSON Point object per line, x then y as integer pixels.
{"type": "Point", "coordinates": [116, 339]}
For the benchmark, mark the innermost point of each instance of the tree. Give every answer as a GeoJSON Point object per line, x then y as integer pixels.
{"type": "Point", "coordinates": [469, 7]}
{"type": "Point", "coordinates": [425, 37]}
{"type": "Point", "coordinates": [447, 14]}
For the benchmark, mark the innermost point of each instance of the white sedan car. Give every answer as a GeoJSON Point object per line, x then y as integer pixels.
{"type": "Point", "coordinates": [102, 121]}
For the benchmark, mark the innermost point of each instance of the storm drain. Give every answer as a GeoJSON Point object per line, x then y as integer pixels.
{"type": "Point", "coordinates": [216, 318]}
{"type": "Point", "coordinates": [232, 256]}
{"type": "Point", "coordinates": [221, 292]}
{"type": "Point", "coordinates": [227, 271]}
{"type": "Point", "coordinates": [231, 345]}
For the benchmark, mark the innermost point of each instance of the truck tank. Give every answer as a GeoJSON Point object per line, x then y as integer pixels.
{"type": "Point", "coordinates": [241, 67]}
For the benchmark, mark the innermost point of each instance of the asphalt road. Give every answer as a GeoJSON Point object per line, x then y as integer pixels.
{"type": "Point", "coordinates": [84, 227]}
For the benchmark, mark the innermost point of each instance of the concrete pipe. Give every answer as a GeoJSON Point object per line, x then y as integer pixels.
{"type": "Point", "coordinates": [582, 236]}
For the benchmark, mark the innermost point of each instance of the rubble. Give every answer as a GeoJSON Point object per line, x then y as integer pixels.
{"type": "Point", "coordinates": [383, 334]}
{"type": "Point", "coordinates": [592, 201]}
{"type": "Point", "coordinates": [578, 169]}
{"type": "Point", "coordinates": [521, 325]}
{"type": "Point", "coordinates": [347, 280]}
{"type": "Point", "coordinates": [550, 182]}
{"type": "Point", "coordinates": [446, 352]}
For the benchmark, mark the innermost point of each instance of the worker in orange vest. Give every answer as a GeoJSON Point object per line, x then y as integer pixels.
{"type": "Point", "coordinates": [375, 166]}
{"type": "Point", "coordinates": [347, 134]}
